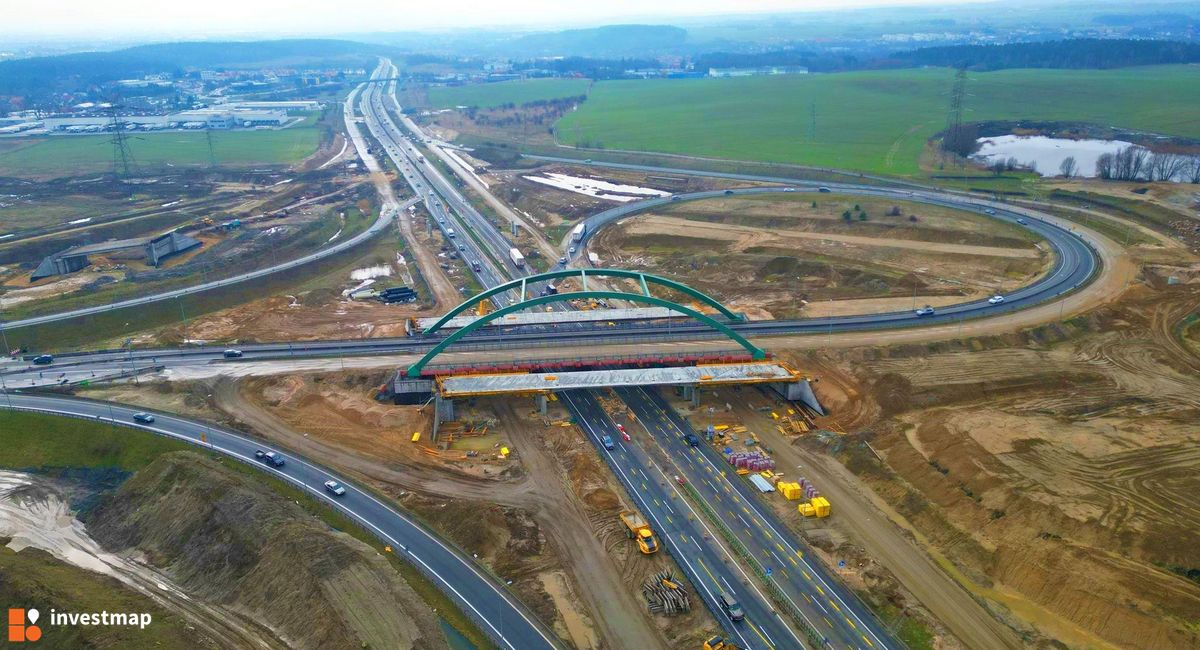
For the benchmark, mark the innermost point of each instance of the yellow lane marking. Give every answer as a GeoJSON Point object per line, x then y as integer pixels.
{"type": "Point", "coordinates": [760, 634]}
{"type": "Point", "coordinates": [864, 637]}
{"type": "Point", "coordinates": [850, 623]}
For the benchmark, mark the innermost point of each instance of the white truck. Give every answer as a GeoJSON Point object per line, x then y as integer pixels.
{"type": "Point", "coordinates": [450, 233]}
{"type": "Point", "coordinates": [517, 258]}
{"type": "Point", "coordinates": [578, 232]}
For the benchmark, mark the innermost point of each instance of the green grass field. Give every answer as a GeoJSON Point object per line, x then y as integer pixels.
{"type": "Point", "coordinates": [80, 154]}
{"type": "Point", "coordinates": [495, 94]}
{"type": "Point", "coordinates": [874, 121]}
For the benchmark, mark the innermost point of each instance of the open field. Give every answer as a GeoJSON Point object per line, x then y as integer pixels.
{"type": "Point", "coordinates": [489, 95]}
{"type": "Point", "coordinates": [54, 156]}
{"type": "Point", "coordinates": [871, 121]}
{"type": "Point", "coordinates": [767, 255]}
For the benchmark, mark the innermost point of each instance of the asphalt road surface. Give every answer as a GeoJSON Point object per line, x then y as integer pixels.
{"type": "Point", "coordinates": [710, 566]}
{"type": "Point", "coordinates": [498, 613]}
{"type": "Point", "coordinates": [825, 604]}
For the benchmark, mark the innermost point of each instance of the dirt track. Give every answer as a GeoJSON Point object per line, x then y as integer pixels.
{"type": "Point", "coordinates": [612, 606]}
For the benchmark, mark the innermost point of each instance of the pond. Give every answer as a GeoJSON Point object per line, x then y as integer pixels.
{"type": "Point", "coordinates": [1048, 153]}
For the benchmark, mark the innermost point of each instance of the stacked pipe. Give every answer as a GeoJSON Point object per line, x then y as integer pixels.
{"type": "Point", "coordinates": [665, 595]}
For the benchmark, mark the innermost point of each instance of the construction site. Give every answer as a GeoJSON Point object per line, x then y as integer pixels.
{"type": "Point", "coordinates": [745, 413]}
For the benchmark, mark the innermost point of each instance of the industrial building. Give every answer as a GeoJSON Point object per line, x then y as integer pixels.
{"type": "Point", "coordinates": [204, 118]}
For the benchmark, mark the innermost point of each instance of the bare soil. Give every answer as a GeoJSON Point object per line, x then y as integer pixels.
{"type": "Point", "coordinates": [1052, 472]}
{"type": "Point", "coordinates": [778, 257]}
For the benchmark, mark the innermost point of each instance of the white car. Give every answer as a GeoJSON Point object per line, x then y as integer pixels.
{"type": "Point", "coordinates": [334, 488]}
{"type": "Point", "coordinates": [996, 299]}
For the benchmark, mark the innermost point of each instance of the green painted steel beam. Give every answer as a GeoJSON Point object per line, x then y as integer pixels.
{"type": "Point", "coordinates": [755, 352]}
{"type": "Point", "coordinates": [644, 278]}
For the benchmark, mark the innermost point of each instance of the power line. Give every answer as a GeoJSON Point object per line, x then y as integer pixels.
{"type": "Point", "coordinates": [123, 162]}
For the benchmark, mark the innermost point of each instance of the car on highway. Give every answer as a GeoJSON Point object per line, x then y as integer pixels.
{"type": "Point", "coordinates": [562, 260]}
{"type": "Point", "coordinates": [925, 311]}
{"type": "Point", "coordinates": [1022, 221]}
{"type": "Point", "coordinates": [674, 198]}
{"type": "Point", "coordinates": [462, 247]}
{"type": "Point", "coordinates": [232, 354]}
{"type": "Point", "coordinates": [587, 160]}
{"type": "Point", "coordinates": [691, 439]}
{"type": "Point", "coordinates": [989, 211]}
{"type": "Point", "coordinates": [44, 359]}
{"type": "Point", "coordinates": [334, 488]}
{"type": "Point", "coordinates": [996, 299]}
{"type": "Point", "coordinates": [733, 609]}
{"type": "Point", "coordinates": [620, 427]}
{"type": "Point", "coordinates": [824, 190]}
{"type": "Point", "coordinates": [729, 191]}
{"type": "Point", "coordinates": [143, 417]}
{"type": "Point", "coordinates": [607, 441]}
{"type": "Point", "coordinates": [789, 189]}
{"type": "Point", "coordinates": [572, 250]}
{"type": "Point", "coordinates": [270, 458]}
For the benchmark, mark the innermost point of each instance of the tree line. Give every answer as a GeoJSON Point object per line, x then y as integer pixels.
{"type": "Point", "coordinates": [1074, 53]}
{"type": "Point", "coordinates": [1140, 164]}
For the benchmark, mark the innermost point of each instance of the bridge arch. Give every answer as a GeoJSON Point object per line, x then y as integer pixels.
{"type": "Point", "coordinates": [414, 370]}
{"type": "Point", "coordinates": [645, 279]}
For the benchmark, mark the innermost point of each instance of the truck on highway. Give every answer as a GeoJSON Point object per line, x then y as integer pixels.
{"type": "Point", "coordinates": [637, 528]}
{"type": "Point", "coordinates": [578, 232]}
{"type": "Point", "coordinates": [450, 233]}
{"type": "Point", "coordinates": [517, 258]}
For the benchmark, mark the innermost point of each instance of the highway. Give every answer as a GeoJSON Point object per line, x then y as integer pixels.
{"type": "Point", "coordinates": [1075, 263]}
{"type": "Point", "coordinates": [378, 226]}
{"type": "Point", "coordinates": [823, 602]}
{"type": "Point", "coordinates": [479, 595]}
{"type": "Point", "coordinates": [709, 564]}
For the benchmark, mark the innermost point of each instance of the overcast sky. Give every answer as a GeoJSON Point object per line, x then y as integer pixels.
{"type": "Point", "coordinates": [108, 19]}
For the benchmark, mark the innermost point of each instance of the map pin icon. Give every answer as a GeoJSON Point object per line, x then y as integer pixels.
{"type": "Point", "coordinates": [33, 616]}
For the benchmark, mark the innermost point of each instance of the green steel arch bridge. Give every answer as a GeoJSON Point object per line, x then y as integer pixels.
{"type": "Point", "coordinates": [526, 301]}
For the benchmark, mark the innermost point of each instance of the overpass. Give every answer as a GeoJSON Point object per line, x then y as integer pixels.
{"type": "Point", "coordinates": [421, 382]}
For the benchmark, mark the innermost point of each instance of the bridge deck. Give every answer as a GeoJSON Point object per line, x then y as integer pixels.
{"type": "Point", "coordinates": [557, 317]}
{"type": "Point", "coordinates": [541, 382]}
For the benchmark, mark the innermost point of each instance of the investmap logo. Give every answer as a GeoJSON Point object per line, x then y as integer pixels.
{"type": "Point", "coordinates": [23, 627]}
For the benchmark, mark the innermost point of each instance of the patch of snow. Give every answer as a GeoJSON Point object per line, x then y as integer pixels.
{"type": "Point", "coordinates": [365, 273]}
{"type": "Point", "coordinates": [79, 221]}
{"type": "Point", "coordinates": [596, 188]}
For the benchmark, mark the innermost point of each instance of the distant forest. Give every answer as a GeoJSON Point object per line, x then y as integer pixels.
{"type": "Point", "coordinates": [1076, 53]}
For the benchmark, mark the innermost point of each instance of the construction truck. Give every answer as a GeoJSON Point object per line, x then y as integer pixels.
{"type": "Point", "coordinates": [719, 643]}
{"type": "Point", "coordinates": [638, 528]}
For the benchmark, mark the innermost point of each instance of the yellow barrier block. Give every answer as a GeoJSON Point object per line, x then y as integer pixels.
{"type": "Point", "coordinates": [416, 436]}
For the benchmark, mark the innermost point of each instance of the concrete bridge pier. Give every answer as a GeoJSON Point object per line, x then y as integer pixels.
{"type": "Point", "coordinates": [443, 411]}
{"type": "Point", "coordinates": [543, 403]}
{"type": "Point", "coordinates": [692, 395]}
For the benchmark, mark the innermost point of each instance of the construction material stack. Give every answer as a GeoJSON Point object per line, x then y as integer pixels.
{"type": "Point", "coordinates": [666, 595]}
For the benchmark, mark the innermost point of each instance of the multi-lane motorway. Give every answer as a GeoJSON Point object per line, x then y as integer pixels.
{"type": "Point", "coordinates": [497, 612]}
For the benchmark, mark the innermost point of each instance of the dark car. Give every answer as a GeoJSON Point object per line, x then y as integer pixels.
{"type": "Point", "coordinates": [233, 354]}
{"type": "Point", "coordinates": [44, 359]}
{"type": "Point", "coordinates": [691, 439]}
{"type": "Point", "coordinates": [731, 606]}
{"type": "Point", "coordinates": [925, 311]}
{"type": "Point", "coordinates": [729, 191]}
{"type": "Point", "coordinates": [824, 190]}
{"type": "Point", "coordinates": [143, 417]}
{"type": "Point", "coordinates": [269, 457]}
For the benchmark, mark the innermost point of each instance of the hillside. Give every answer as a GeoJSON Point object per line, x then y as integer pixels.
{"type": "Point", "coordinates": [35, 579]}
{"type": "Point", "coordinates": [218, 535]}
{"type": "Point", "coordinates": [31, 76]}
